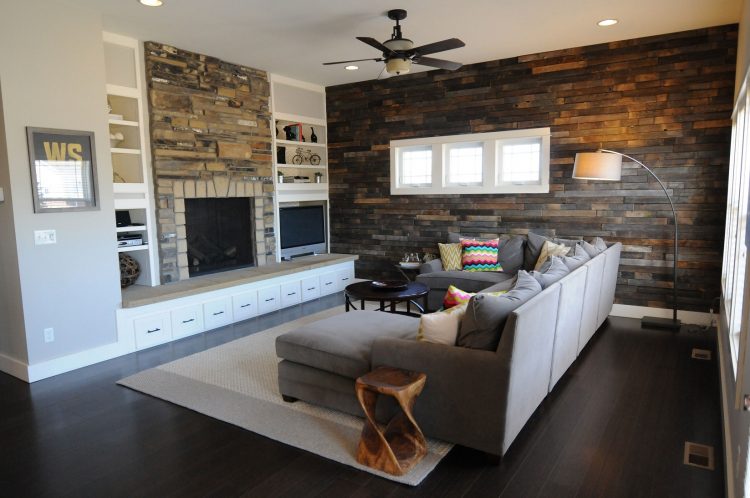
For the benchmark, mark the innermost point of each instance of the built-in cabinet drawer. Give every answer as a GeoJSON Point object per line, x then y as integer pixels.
{"type": "Point", "coordinates": [269, 299]}
{"type": "Point", "coordinates": [187, 321]}
{"type": "Point", "coordinates": [152, 330]}
{"type": "Point", "coordinates": [345, 277]}
{"type": "Point", "coordinates": [217, 313]}
{"type": "Point", "coordinates": [290, 294]}
{"type": "Point", "coordinates": [329, 283]}
{"type": "Point", "coordinates": [310, 288]}
{"type": "Point", "coordinates": [245, 305]}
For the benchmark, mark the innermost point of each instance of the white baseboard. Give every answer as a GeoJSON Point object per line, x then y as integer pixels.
{"type": "Point", "coordinates": [687, 317]}
{"type": "Point", "coordinates": [57, 366]}
{"type": "Point", "coordinates": [14, 367]}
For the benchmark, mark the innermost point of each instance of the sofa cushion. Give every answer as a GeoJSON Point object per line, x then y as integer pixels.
{"type": "Point", "coordinates": [480, 255]}
{"type": "Point", "coordinates": [578, 259]}
{"type": "Point", "coordinates": [554, 272]}
{"type": "Point", "coordinates": [450, 255]}
{"type": "Point", "coordinates": [599, 243]}
{"type": "Point", "coordinates": [441, 327]}
{"type": "Point", "coordinates": [532, 250]}
{"type": "Point", "coordinates": [591, 249]}
{"type": "Point", "coordinates": [486, 314]}
{"type": "Point", "coordinates": [510, 253]}
{"type": "Point", "coordinates": [341, 344]}
{"type": "Point", "coordinates": [467, 281]}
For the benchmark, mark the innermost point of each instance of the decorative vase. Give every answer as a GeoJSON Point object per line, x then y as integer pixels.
{"type": "Point", "coordinates": [313, 136]}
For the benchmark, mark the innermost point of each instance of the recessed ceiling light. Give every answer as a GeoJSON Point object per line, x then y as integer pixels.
{"type": "Point", "coordinates": [607, 22]}
{"type": "Point", "coordinates": [351, 68]}
{"type": "Point", "coordinates": [151, 3]}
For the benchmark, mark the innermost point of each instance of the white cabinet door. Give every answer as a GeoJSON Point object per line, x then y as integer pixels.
{"type": "Point", "coordinates": [245, 305]}
{"type": "Point", "coordinates": [187, 321]}
{"type": "Point", "coordinates": [269, 299]}
{"type": "Point", "coordinates": [290, 294]}
{"type": "Point", "coordinates": [310, 288]}
{"type": "Point", "coordinates": [345, 277]}
{"type": "Point", "coordinates": [152, 330]}
{"type": "Point", "coordinates": [329, 283]}
{"type": "Point", "coordinates": [217, 313]}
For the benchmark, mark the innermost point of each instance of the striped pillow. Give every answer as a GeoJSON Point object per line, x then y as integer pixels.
{"type": "Point", "coordinates": [450, 255]}
{"type": "Point", "coordinates": [480, 255]}
{"type": "Point", "coordinates": [455, 296]}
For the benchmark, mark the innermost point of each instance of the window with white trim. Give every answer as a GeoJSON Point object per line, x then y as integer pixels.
{"type": "Point", "coordinates": [416, 166]}
{"type": "Point", "coordinates": [514, 161]}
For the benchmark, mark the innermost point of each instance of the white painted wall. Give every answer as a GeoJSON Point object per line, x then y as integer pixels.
{"type": "Point", "coordinates": [12, 335]}
{"type": "Point", "coordinates": [52, 75]}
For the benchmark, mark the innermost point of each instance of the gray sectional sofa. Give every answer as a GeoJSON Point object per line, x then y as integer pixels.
{"type": "Point", "coordinates": [476, 398]}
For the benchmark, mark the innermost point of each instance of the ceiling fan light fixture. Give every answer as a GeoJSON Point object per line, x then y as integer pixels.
{"type": "Point", "coordinates": [607, 22]}
{"type": "Point", "coordinates": [398, 65]}
{"type": "Point", "coordinates": [399, 44]}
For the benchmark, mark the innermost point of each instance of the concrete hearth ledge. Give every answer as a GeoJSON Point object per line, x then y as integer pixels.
{"type": "Point", "coordinates": [138, 295]}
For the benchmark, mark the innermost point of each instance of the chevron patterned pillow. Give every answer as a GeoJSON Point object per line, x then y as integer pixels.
{"type": "Point", "coordinates": [480, 255]}
{"type": "Point", "coordinates": [450, 254]}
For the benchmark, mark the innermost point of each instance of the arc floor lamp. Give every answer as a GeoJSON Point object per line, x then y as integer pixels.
{"type": "Point", "coordinates": [607, 165]}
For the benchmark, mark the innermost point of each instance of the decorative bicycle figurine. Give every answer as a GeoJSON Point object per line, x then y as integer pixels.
{"type": "Point", "coordinates": [301, 155]}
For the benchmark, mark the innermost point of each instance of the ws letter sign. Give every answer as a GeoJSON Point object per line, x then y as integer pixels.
{"type": "Point", "coordinates": [63, 170]}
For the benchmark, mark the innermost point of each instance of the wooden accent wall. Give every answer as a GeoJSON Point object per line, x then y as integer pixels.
{"type": "Point", "coordinates": [667, 100]}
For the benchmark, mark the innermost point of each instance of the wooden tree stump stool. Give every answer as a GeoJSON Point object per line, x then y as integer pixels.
{"type": "Point", "coordinates": [401, 445]}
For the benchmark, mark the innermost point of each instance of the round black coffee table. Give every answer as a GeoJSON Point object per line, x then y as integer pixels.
{"type": "Point", "coordinates": [388, 298]}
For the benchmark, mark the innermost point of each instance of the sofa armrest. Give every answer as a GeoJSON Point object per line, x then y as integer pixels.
{"type": "Point", "coordinates": [431, 266]}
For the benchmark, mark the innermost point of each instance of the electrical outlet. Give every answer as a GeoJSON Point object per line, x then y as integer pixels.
{"type": "Point", "coordinates": [42, 237]}
{"type": "Point", "coordinates": [49, 335]}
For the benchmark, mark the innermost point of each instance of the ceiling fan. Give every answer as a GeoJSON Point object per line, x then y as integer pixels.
{"type": "Point", "coordinates": [399, 53]}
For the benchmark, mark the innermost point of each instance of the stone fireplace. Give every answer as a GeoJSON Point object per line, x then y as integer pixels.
{"type": "Point", "coordinates": [210, 138]}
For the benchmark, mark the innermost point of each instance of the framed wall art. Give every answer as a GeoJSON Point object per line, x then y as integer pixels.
{"type": "Point", "coordinates": [63, 170]}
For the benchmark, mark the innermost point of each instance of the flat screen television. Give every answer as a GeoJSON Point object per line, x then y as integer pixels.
{"type": "Point", "coordinates": [303, 230]}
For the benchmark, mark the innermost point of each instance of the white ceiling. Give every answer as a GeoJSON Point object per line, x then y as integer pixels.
{"type": "Point", "coordinates": [294, 37]}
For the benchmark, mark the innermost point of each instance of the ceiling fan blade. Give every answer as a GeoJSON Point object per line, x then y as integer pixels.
{"type": "Point", "coordinates": [440, 46]}
{"type": "Point", "coordinates": [355, 60]}
{"type": "Point", "coordinates": [375, 44]}
{"type": "Point", "coordinates": [439, 63]}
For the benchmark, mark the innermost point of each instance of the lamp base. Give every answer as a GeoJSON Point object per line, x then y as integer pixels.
{"type": "Point", "coordinates": [652, 322]}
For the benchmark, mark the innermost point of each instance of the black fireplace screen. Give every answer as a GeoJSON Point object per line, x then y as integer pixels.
{"type": "Point", "coordinates": [219, 234]}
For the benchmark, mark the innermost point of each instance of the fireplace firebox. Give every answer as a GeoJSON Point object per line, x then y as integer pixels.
{"type": "Point", "coordinates": [219, 233]}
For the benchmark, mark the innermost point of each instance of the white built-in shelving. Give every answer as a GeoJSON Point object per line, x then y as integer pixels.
{"type": "Point", "coordinates": [132, 186]}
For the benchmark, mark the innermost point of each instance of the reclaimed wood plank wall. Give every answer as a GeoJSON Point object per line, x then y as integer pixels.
{"type": "Point", "coordinates": [667, 100]}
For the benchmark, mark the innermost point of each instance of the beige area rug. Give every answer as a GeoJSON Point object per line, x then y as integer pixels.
{"type": "Point", "coordinates": [237, 382]}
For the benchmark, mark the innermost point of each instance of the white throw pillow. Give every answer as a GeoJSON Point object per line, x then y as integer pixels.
{"type": "Point", "coordinates": [441, 327]}
{"type": "Point", "coordinates": [550, 249]}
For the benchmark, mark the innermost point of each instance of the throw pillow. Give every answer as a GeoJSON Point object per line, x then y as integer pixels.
{"type": "Point", "coordinates": [450, 255]}
{"type": "Point", "coordinates": [480, 255]}
{"type": "Point", "coordinates": [578, 259]}
{"type": "Point", "coordinates": [510, 253]}
{"type": "Point", "coordinates": [599, 243]}
{"type": "Point", "coordinates": [550, 249]}
{"type": "Point", "coordinates": [441, 327]}
{"type": "Point", "coordinates": [534, 244]}
{"type": "Point", "coordinates": [455, 296]}
{"type": "Point", "coordinates": [486, 314]}
{"type": "Point", "coordinates": [554, 272]}
{"type": "Point", "coordinates": [591, 250]}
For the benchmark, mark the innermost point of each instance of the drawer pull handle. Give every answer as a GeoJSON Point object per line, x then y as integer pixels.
{"type": "Point", "coordinates": [152, 331]}
{"type": "Point", "coordinates": [269, 300]}
{"type": "Point", "coordinates": [291, 294]}
{"type": "Point", "coordinates": [345, 279]}
{"type": "Point", "coordinates": [328, 283]}
{"type": "Point", "coordinates": [218, 313]}
{"type": "Point", "coordinates": [244, 305]}
{"type": "Point", "coordinates": [188, 321]}
{"type": "Point", "coordinates": [311, 288]}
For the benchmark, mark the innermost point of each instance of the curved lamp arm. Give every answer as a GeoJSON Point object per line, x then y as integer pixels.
{"type": "Point", "coordinates": [674, 214]}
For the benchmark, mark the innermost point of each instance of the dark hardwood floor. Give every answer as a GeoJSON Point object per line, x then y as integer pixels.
{"type": "Point", "coordinates": [615, 425]}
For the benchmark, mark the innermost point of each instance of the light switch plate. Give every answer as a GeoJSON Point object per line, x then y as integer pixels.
{"type": "Point", "coordinates": [42, 237]}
